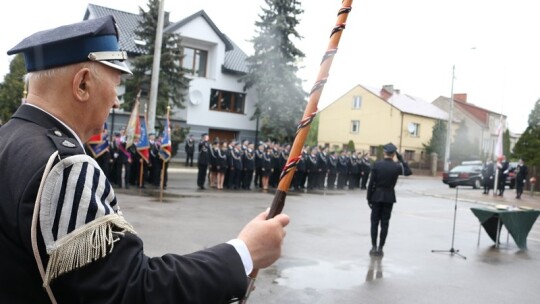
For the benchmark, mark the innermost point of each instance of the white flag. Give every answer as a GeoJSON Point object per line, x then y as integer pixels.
{"type": "Point", "coordinates": [498, 153]}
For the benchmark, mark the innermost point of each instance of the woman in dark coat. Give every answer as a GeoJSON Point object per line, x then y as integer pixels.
{"type": "Point", "coordinates": [267, 168]}
{"type": "Point", "coordinates": [221, 164]}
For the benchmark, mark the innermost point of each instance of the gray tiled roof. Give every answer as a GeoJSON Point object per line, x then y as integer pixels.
{"type": "Point", "coordinates": [127, 23]}
{"type": "Point", "coordinates": [414, 105]}
{"type": "Point", "coordinates": [235, 58]}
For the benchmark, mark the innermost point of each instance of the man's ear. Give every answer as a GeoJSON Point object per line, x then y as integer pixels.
{"type": "Point", "coordinates": [80, 85]}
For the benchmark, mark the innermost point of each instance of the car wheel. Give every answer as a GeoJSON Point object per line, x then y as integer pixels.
{"type": "Point", "coordinates": [451, 185]}
{"type": "Point", "coordinates": [477, 184]}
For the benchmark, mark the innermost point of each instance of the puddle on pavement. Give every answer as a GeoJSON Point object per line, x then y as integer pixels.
{"type": "Point", "coordinates": [316, 274]}
{"type": "Point", "coordinates": [321, 275]}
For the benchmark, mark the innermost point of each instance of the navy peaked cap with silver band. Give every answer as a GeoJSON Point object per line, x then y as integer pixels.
{"type": "Point", "coordinates": [389, 148]}
{"type": "Point", "coordinates": [89, 40]}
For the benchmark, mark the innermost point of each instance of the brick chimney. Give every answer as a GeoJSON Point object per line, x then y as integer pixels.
{"type": "Point", "coordinates": [387, 91]}
{"type": "Point", "coordinates": [461, 97]}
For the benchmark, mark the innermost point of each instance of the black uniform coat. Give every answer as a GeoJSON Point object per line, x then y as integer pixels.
{"type": "Point", "coordinates": [125, 275]}
{"type": "Point", "coordinates": [383, 178]}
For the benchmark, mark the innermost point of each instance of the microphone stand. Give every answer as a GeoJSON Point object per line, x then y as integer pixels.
{"type": "Point", "coordinates": [453, 251]}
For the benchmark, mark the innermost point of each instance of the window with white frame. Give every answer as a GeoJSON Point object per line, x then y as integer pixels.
{"type": "Point", "coordinates": [355, 126]}
{"type": "Point", "coordinates": [357, 102]}
{"type": "Point", "coordinates": [195, 61]}
{"type": "Point", "coordinates": [226, 101]}
{"type": "Point", "coordinates": [414, 129]}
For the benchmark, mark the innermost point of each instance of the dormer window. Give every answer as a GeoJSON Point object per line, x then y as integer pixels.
{"type": "Point", "coordinates": [139, 42]}
{"type": "Point", "coordinates": [195, 61]}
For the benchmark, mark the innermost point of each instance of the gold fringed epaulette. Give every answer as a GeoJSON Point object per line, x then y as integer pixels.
{"type": "Point", "coordinates": [85, 244]}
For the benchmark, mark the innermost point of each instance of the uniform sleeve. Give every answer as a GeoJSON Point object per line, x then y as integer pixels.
{"type": "Point", "coordinates": [214, 275]}
{"type": "Point", "coordinates": [95, 256]}
{"type": "Point", "coordinates": [371, 183]}
{"type": "Point", "coordinates": [405, 169]}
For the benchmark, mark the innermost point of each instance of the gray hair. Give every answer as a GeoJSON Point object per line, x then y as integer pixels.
{"type": "Point", "coordinates": [50, 74]}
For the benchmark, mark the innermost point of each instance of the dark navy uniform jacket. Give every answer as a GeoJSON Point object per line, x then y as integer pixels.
{"type": "Point", "coordinates": [126, 274]}
{"type": "Point", "coordinates": [383, 178]}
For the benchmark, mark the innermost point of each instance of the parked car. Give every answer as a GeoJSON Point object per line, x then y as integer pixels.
{"type": "Point", "coordinates": [467, 174]}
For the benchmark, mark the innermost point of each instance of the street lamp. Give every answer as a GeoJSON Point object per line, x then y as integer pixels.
{"type": "Point", "coordinates": [449, 124]}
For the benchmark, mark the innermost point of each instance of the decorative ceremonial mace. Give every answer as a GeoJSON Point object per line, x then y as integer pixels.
{"type": "Point", "coordinates": [304, 125]}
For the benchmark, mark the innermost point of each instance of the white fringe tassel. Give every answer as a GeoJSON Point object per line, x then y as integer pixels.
{"type": "Point", "coordinates": [84, 245]}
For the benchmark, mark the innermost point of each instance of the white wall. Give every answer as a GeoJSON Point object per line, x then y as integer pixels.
{"type": "Point", "coordinates": [199, 34]}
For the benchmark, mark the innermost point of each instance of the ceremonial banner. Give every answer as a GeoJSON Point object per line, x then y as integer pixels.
{"type": "Point", "coordinates": [133, 126]}
{"type": "Point", "coordinates": [142, 143]}
{"type": "Point", "coordinates": [97, 145]}
{"type": "Point", "coordinates": [165, 149]}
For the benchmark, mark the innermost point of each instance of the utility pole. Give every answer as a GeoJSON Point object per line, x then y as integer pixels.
{"type": "Point", "coordinates": [449, 124]}
{"type": "Point", "coordinates": [155, 70]}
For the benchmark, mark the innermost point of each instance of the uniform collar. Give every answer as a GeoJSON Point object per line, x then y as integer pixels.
{"type": "Point", "coordinates": [45, 119]}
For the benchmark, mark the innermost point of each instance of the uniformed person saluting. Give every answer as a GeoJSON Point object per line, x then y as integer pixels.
{"type": "Point", "coordinates": [63, 238]}
{"type": "Point", "coordinates": [381, 196]}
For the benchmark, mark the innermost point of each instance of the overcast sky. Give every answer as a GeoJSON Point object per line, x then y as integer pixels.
{"type": "Point", "coordinates": [412, 44]}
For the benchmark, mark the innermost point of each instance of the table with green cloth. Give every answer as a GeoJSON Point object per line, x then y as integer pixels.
{"type": "Point", "coordinates": [518, 222]}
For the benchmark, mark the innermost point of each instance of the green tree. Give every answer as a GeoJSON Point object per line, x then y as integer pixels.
{"type": "Point", "coordinates": [528, 144]}
{"type": "Point", "coordinates": [11, 90]}
{"type": "Point", "coordinates": [506, 143]}
{"type": "Point", "coordinates": [312, 138]}
{"type": "Point", "coordinates": [461, 148]}
{"type": "Point", "coordinates": [534, 116]}
{"type": "Point", "coordinates": [437, 142]}
{"type": "Point", "coordinates": [272, 70]}
{"type": "Point", "coordinates": [172, 81]}
{"type": "Point", "coordinates": [350, 146]}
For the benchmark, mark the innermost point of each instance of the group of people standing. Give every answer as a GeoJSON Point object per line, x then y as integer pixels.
{"type": "Point", "coordinates": [124, 166]}
{"type": "Point", "coordinates": [240, 165]}
{"type": "Point", "coordinates": [498, 173]}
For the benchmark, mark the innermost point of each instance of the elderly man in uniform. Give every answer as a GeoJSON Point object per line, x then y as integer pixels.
{"type": "Point", "coordinates": [63, 236]}
{"type": "Point", "coordinates": [381, 195]}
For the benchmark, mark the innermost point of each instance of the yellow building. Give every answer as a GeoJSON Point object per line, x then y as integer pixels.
{"type": "Point", "coordinates": [371, 117]}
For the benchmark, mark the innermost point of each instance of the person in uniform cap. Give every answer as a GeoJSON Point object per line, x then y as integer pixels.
{"type": "Point", "coordinates": [63, 236]}
{"type": "Point", "coordinates": [381, 196]}
{"type": "Point", "coordinates": [521, 171]}
{"type": "Point", "coordinates": [203, 161]}
{"type": "Point", "coordinates": [189, 147]}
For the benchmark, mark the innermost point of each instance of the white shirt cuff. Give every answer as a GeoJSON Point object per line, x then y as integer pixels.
{"type": "Point", "coordinates": [243, 251]}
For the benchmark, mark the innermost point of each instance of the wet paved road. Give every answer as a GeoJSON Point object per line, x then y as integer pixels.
{"type": "Point", "coordinates": [325, 256]}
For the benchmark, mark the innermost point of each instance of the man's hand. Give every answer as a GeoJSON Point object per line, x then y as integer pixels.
{"type": "Point", "coordinates": [399, 157]}
{"type": "Point", "coordinates": [264, 238]}
{"type": "Point", "coordinates": [370, 204]}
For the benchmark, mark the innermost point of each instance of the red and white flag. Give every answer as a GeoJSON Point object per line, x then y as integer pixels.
{"type": "Point", "coordinates": [498, 152]}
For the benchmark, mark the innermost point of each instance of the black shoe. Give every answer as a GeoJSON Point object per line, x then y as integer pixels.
{"type": "Point", "coordinates": [373, 251]}
{"type": "Point", "coordinates": [380, 252]}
